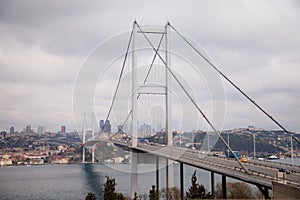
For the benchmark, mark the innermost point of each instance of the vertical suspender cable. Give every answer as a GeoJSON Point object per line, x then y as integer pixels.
{"type": "Point", "coordinates": [146, 78]}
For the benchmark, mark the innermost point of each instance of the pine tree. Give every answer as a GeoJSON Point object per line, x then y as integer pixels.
{"type": "Point", "coordinates": [135, 196]}
{"type": "Point", "coordinates": [153, 193]}
{"type": "Point", "coordinates": [90, 196]}
{"type": "Point", "coordinates": [109, 189]}
{"type": "Point", "coordinates": [197, 191]}
{"type": "Point", "coordinates": [119, 196]}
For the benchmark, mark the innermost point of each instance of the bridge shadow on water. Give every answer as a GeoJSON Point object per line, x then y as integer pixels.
{"type": "Point", "coordinates": [93, 180]}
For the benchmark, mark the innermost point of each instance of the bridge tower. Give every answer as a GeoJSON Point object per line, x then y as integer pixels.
{"type": "Point", "coordinates": [138, 89]}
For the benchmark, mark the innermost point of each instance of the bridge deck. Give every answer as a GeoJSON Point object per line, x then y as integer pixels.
{"type": "Point", "coordinates": [261, 172]}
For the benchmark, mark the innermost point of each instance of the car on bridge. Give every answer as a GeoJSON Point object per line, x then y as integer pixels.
{"type": "Point", "coordinates": [285, 170]}
{"type": "Point", "coordinates": [244, 159]}
{"type": "Point", "coordinates": [232, 154]}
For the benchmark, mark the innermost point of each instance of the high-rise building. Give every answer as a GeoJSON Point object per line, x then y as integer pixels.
{"type": "Point", "coordinates": [107, 127]}
{"type": "Point", "coordinates": [101, 125]}
{"type": "Point", "coordinates": [41, 130]}
{"type": "Point", "coordinates": [3, 134]}
{"type": "Point", "coordinates": [63, 129]}
{"type": "Point", "coordinates": [145, 130]}
{"type": "Point", "coordinates": [28, 129]}
{"type": "Point", "coordinates": [12, 130]}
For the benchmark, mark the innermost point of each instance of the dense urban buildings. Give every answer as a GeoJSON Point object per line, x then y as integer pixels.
{"type": "Point", "coordinates": [42, 147]}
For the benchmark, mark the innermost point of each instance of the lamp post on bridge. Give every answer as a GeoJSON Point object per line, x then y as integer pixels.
{"type": "Point", "coordinates": [292, 152]}
{"type": "Point", "coordinates": [228, 144]}
{"type": "Point", "coordinates": [254, 148]}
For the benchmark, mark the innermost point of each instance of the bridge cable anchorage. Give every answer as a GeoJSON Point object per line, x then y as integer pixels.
{"type": "Point", "coordinates": [235, 86]}
{"type": "Point", "coordinates": [145, 80]}
{"type": "Point", "coordinates": [119, 80]}
{"type": "Point", "coordinates": [192, 100]}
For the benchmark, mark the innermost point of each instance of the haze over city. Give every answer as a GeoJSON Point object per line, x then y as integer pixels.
{"type": "Point", "coordinates": [45, 44]}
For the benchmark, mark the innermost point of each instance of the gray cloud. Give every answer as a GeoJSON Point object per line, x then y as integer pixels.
{"type": "Point", "coordinates": [44, 43]}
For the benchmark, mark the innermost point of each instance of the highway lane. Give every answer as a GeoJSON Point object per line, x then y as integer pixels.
{"type": "Point", "coordinates": [189, 158]}
{"type": "Point", "coordinates": [268, 168]}
{"type": "Point", "coordinates": [262, 172]}
{"type": "Point", "coordinates": [294, 169]}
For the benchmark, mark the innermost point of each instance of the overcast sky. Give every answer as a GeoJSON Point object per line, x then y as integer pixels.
{"type": "Point", "coordinates": [43, 45]}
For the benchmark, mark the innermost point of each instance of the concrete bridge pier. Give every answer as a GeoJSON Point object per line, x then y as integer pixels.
{"type": "Point", "coordinates": [224, 187]}
{"type": "Point", "coordinates": [181, 181]}
{"type": "Point", "coordinates": [157, 175]}
{"type": "Point", "coordinates": [212, 183]}
{"type": "Point", "coordinates": [83, 154]}
{"type": "Point", "coordinates": [134, 162]}
{"type": "Point", "coordinates": [285, 191]}
{"type": "Point", "coordinates": [93, 153]}
{"type": "Point", "coordinates": [169, 176]}
{"type": "Point", "coordinates": [264, 191]}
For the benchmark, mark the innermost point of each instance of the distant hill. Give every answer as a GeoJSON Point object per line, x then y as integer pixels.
{"type": "Point", "coordinates": [244, 143]}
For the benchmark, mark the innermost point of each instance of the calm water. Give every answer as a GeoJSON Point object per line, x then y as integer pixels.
{"type": "Point", "coordinates": [75, 181]}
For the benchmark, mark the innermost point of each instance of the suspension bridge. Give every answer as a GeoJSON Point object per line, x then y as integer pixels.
{"type": "Point", "coordinates": [264, 175]}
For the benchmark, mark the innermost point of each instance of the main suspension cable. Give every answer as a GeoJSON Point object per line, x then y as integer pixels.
{"type": "Point", "coordinates": [119, 80]}
{"type": "Point", "coordinates": [234, 85]}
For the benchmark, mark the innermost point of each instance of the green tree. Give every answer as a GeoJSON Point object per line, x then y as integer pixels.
{"type": "Point", "coordinates": [90, 196]}
{"type": "Point", "coordinates": [197, 191]}
{"type": "Point", "coordinates": [235, 190]}
{"type": "Point", "coordinates": [109, 188]}
{"type": "Point", "coordinates": [173, 193]}
{"type": "Point", "coordinates": [153, 193]}
{"type": "Point", "coordinates": [239, 190]}
{"type": "Point", "coordinates": [135, 196]}
{"type": "Point", "coordinates": [119, 196]}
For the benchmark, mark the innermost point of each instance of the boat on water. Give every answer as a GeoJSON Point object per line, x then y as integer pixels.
{"type": "Point", "coordinates": [273, 157]}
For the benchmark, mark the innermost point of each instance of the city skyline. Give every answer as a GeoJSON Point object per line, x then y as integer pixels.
{"type": "Point", "coordinates": [44, 45]}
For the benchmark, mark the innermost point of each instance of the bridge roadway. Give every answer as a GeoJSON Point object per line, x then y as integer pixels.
{"type": "Point", "coordinates": [262, 173]}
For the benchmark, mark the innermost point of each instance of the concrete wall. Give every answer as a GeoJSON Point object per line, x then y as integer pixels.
{"type": "Point", "coordinates": [146, 158]}
{"type": "Point", "coordinates": [283, 191]}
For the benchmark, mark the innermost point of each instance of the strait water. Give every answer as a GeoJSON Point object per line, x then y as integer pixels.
{"type": "Point", "coordinates": [75, 181]}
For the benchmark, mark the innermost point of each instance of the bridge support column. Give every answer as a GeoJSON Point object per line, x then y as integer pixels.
{"type": "Point", "coordinates": [157, 175]}
{"type": "Point", "coordinates": [93, 153]}
{"type": "Point", "coordinates": [169, 132]}
{"type": "Point", "coordinates": [212, 183]}
{"type": "Point", "coordinates": [264, 191]}
{"type": "Point", "coordinates": [224, 187]}
{"type": "Point", "coordinates": [134, 156]}
{"type": "Point", "coordinates": [181, 182]}
{"type": "Point", "coordinates": [169, 176]}
{"type": "Point", "coordinates": [134, 108]}
{"type": "Point", "coordinates": [83, 154]}
{"type": "Point", "coordinates": [93, 156]}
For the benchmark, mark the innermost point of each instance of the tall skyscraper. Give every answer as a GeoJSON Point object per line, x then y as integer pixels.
{"type": "Point", "coordinates": [101, 125]}
{"type": "Point", "coordinates": [28, 129]}
{"type": "Point", "coordinates": [107, 127]}
{"type": "Point", "coordinates": [12, 130]}
{"type": "Point", "coordinates": [63, 129]}
{"type": "Point", "coordinates": [41, 130]}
